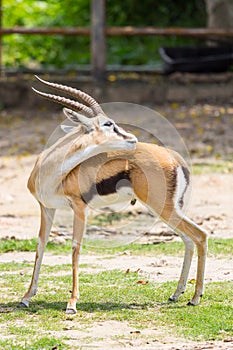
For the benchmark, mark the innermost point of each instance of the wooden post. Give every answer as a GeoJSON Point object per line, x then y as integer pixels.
{"type": "Point", "coordinates": [98, 39]}
{"type": "Point", "coordinates": [0, 38]}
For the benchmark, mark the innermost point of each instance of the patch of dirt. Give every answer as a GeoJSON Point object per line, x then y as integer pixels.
{"type": "Point", "coordinates": [120, 335]}
{"type": "Point", "coordinates": [210, 205]}
{"type": "Point", "coordinates": [157, 269]}
{"type": "Point", "coordinates": [205, 129]}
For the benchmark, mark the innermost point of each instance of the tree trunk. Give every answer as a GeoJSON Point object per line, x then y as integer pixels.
{"type": "Point", "coordinates": [220, 14]}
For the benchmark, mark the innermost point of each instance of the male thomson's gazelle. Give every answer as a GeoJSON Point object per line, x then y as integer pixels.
{"type": "Point", "coordinates": [99, 162]}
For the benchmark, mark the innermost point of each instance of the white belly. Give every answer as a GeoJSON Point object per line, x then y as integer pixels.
{"type": "Point", "coordinates": [113, 201]}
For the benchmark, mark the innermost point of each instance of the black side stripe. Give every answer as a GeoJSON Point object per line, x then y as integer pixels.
{"type": "Point", "coordinates": [107, 186]}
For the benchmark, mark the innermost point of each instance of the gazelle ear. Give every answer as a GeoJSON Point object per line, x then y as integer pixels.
{"type": "Point", "coordinates": [77, 118]}
{"type": "Point", "coordinates": [67, 128]}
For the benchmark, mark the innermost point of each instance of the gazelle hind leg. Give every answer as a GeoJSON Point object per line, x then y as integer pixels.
{"type": "Point", "coordinates": [47, 216]}
{"type": "Point", "coordinates": [188, 228]}
{"type": "Point", "coordinates": [189, 250]}
{"type": "Point", "coordinates": [79, 227]}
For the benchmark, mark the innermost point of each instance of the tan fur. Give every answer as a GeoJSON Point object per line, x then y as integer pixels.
{"type": "Point", "coordinates": [150, 167]}
{"type": "Point", "coordinates": [152, 173]}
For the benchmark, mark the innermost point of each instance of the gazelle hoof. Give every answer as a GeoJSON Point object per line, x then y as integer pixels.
{"type": "Point", "coordinates": [172, 299]}
{"type": "Point", "coordinates": [70, 311]}
{"type": "Point", "coordinates": [191, 304]}
{"type": "Point", "coordinates": [23, 304]}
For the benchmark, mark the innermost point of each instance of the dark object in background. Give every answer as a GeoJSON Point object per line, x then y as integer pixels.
{"type": "Point", "coordinates": [201, 59]}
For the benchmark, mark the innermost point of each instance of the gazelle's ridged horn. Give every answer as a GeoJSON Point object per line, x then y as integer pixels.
{"type": "Point", "coordinates": [75, 93]}
{"type": "Point", "coordinates": [87, 111]}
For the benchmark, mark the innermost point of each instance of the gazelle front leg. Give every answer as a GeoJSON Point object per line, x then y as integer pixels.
{"type": "Point", "coordinates": [79, 226]}
{"type": "Point", "coordinates": [47, 216]}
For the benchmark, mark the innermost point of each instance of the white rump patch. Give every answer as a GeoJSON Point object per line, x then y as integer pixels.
{"type": "Point", "coordinates": [181, 184]}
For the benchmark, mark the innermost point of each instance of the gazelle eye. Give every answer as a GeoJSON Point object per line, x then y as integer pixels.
{"type": "Point", "coordinates": [108, 123]}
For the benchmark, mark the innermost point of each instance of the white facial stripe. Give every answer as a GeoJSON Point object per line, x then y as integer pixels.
{"type": "Point", "coordinates": [126, 134]}
{"type": "Point", "coordinates": [122, 131]}
{"type": "Point", "coordinates": [114, 128]}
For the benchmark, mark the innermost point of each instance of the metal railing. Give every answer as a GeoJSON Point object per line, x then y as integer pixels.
{"type": "Point", "coordinates": [98, 32]}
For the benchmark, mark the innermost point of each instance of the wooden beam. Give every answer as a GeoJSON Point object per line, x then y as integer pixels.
{"type": "Point", "coordinates": [126, 31]}
{"type": "Point", "coordinates": [98, 39]}
{"type": "Point", "coordinates": [46, 31]}
{"type": "Point", "coordinates": [178, 31]}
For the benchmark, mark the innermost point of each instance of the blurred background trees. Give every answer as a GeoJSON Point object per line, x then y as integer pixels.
{"type": "Point", "coordinates": [66, 52]}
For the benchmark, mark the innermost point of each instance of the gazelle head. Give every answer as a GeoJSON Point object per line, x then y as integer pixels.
{"type": "Point", "coordinates": [92, 118]}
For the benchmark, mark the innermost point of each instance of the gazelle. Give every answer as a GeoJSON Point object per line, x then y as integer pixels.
{"type": "Point", "coordinates": [93, 135]}
{"type": "Point", "coordinates": [156, 176]}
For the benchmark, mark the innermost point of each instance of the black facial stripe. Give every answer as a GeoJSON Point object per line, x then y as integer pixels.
{"type": "Point", "coordinates": [116, 130]}
{"type": "Point", "coordinates": [107, 186]}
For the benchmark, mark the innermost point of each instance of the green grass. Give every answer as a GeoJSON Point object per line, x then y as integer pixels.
{"type": "Point", "coordinates": [217, 247]}
{"type": "Point", "coordinates": [108, 218]}
{"type": "Point", "coordinates": [221, 167]}
{"type": "Point", "coordinates": [40, 344]}
{"type": "Point", "coordinates": [109, 295]}
{"type": "Point", "coordinates": [10, 245]}
{"type": "Point", "coordinates": [212, 319]}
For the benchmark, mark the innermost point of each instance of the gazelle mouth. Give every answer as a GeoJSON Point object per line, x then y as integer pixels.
{"type": "Point", "coordinates": [133, 140]}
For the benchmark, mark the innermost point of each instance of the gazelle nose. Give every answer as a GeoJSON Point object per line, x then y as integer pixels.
{"type": "Point", "coordinates": [133, 139]}
{"type": "Point", "coordinates": [127, 136]}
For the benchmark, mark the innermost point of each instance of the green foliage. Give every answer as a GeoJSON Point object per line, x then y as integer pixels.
{"type": "Point", "coordinates": [64, 51]}
{"type": "Point", "coordinates": [155, 13]}
{"type": "Point", "coordinates": [46, 51]}
{"type": "Point", "coordinates": [144, 49]}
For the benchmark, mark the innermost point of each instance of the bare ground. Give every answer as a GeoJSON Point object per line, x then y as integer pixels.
{"type": "Point", "coordinates": [211, 206]}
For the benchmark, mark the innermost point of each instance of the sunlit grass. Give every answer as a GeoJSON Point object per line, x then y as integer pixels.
{"type": "Point", "coordinates": [108, 295]}
{"type": "Point", "coordinates": [217, 247]}
{"type": "Point", "coordinates": [220, 167]}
